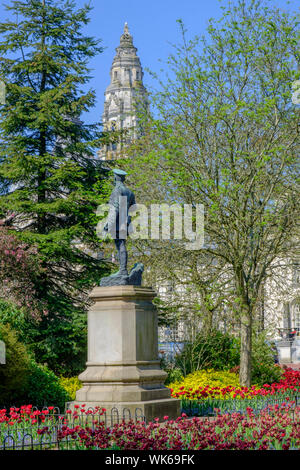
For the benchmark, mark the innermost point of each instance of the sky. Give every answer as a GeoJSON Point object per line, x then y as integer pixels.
{"type": "Point", "coordinates": [154, 28]}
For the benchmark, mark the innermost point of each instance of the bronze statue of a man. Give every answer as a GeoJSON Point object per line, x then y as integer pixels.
{"type": "Point", "coordinates": [121, 200]}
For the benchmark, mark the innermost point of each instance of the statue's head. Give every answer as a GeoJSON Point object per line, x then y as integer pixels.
{"type": "Point", "coordinates": [119, 175]}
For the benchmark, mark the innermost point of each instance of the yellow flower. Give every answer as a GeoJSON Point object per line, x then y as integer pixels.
{"type": "Point", "coordinates": [207, 383]}
{"type": "Point", "coordinates": [71, 385]}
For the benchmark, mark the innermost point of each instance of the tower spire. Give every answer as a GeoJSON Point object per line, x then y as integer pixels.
{"type": "Point", "coordinates": [125, 90]}
{"type": "Point", "coordinates": [126, 38]}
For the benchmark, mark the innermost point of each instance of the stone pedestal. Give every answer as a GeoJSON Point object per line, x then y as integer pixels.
{"type": "Point", "coordinates": [123, 369]}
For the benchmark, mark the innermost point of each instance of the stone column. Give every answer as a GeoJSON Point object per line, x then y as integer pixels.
{"type": "Point", "coordinates": [123, 368]}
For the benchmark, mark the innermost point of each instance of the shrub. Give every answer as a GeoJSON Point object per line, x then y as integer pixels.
{"type": "Point", "coordinates": [174, 375]}
{"type": "Point", "coordinates": [18, 320]}
{"type": "Point", "coordinates": [13, 374]}
{"type": "Point", "coordinates": [263, 369]}
{"type": "Point", "coordinates": [59, 344]}
{"type": "Point", "coordinates": [265, 373]}
{"type": "Point", "coordinates": [71, 385]}
{"type": "Point", "coordinates": [216, 350]}
{"type": "Point", "coordinates": [44, 388]}
{"type": "Point", "coordinates": [22, 380]}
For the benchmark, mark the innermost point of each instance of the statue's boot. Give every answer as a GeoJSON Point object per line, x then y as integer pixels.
{"type": "Point", "coordinates": [119, 278]}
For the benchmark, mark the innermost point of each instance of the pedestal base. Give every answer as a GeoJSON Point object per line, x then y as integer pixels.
{"type": "Point", "coordinates": [123, 370]}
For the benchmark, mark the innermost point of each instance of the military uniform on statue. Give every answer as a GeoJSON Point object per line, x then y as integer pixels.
{"type": "Point", "coordinates": [123, 368]}
{"type": "Point", "coordinates": [121, 200]}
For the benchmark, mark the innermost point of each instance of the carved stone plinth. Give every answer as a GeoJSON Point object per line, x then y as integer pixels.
{"type": "Point", "coordinates": [123, 367]}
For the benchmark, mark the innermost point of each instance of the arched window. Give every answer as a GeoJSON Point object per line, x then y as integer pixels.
{"type": "Point", "coordinates": [127, 74]}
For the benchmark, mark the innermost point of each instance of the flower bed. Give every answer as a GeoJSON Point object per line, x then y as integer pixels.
{"type": "Point", "coordinates": [276, 427]}
{"type": "Point", "coordinates": [204, 391]}
{"type": "Point", "coordinates": [224, 385]}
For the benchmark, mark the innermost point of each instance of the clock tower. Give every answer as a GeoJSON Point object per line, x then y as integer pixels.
{"type": "Point", "coordinates": [122, 96]}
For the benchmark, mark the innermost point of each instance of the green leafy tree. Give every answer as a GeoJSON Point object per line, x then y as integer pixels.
{"type": "Point", "coordinates": [226, 135]}
{"type": "Point", "coordinates": [219, 351]}
{"type": "Point", "coordinates": [50, 180]}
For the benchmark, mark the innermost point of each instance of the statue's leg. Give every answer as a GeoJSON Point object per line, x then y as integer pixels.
{"type": "Point", "coordinates": [123, 257]}
{"type": "Point", "coordinates": [120, 278]}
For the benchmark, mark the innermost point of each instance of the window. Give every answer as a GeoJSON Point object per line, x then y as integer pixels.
{"type": "Point", "coordinates": [137, 75]}
{"type": "Point", "coordinates": [127, 74]}
{"type": "Point", "coordinates": [116, 75]}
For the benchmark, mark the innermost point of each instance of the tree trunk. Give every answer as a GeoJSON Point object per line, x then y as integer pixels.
{"type": "Point", "coordinates": [208, 321]}
{"type": "Point", "coordinates": [246, 347]}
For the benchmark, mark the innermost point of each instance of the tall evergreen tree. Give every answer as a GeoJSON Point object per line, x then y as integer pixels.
{"type": "Point", "coordinates": [53, 184]}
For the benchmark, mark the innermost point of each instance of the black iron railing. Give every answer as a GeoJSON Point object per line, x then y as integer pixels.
{"type": "Point", "coordinates": [46, 435]}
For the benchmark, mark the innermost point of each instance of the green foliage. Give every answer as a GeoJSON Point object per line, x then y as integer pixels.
{"type": "Point", "coordinates": [174, 375]}
{"type": "Point", "coordinates": [44, 388]}
{"type": "Point", "coordinates": [263, 368]}
{"type": "Point", "coordinates": [13, 315]}
{"type": "Point", "coordinates": [265, 373]}
{"type": "Point", "coordinates": [220, 351]}
{"type": "Point", "coordinates": [71, 385]}
{"type": "Point", "coordinates": [214, 350]}
{"type": "Point", "coordinates": [61, 345]}
{"type": "Point", "coordinates": [23, 381]}
{"type": "Point", "coordinates": [13, 374]}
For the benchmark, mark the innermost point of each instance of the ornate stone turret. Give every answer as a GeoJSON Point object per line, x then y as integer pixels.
{"type": "Point", "coordinates": [124, 92]}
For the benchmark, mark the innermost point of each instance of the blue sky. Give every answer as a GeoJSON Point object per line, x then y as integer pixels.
{"type": "Point", "coordinates": [154, 28]}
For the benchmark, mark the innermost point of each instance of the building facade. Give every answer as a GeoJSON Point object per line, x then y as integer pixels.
{"type": "Point", "coordinates": [123, 96]}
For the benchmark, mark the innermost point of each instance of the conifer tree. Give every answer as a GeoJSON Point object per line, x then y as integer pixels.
{"type": "Point", "coordinates": [51, 183]}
